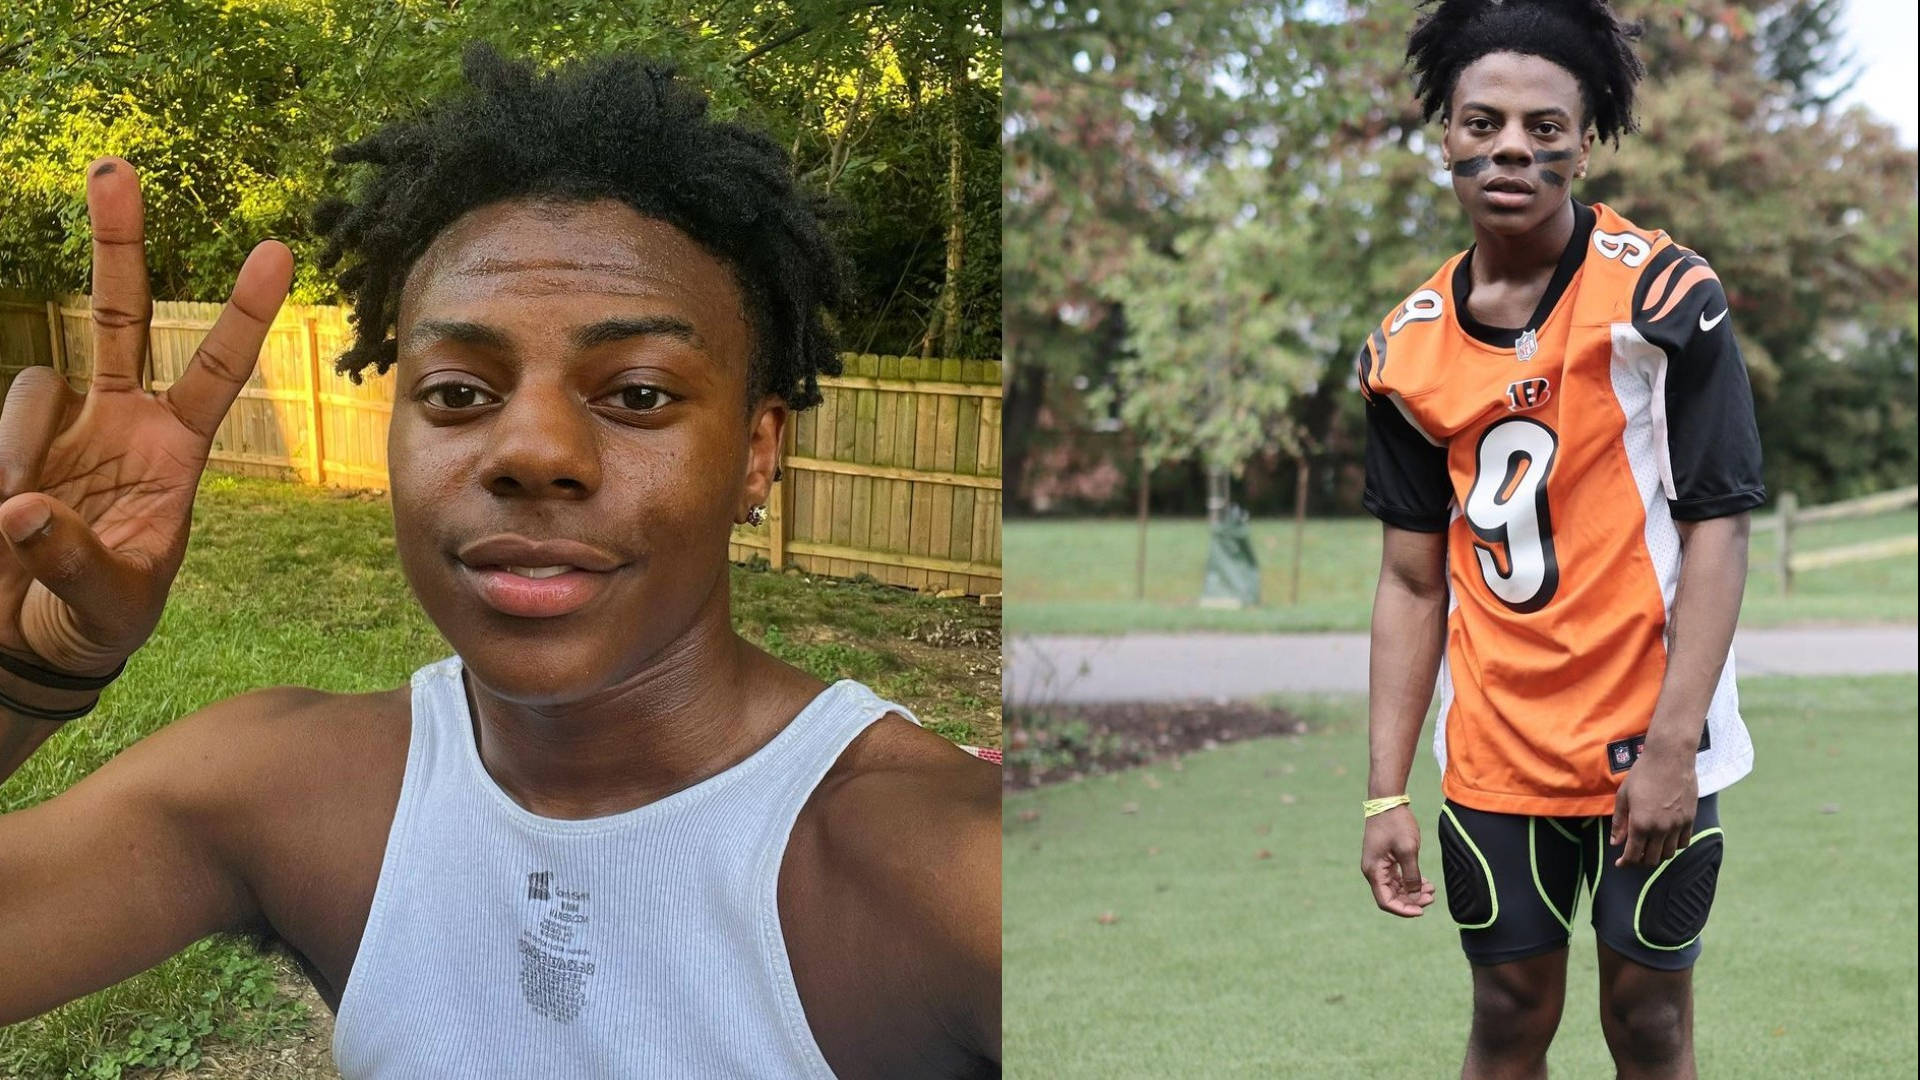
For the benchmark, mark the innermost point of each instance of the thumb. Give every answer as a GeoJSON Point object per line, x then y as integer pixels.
{"type": "Point", "coordinates": [58, 549]}
{"type": "Point", "coordinates": [1407, 855]}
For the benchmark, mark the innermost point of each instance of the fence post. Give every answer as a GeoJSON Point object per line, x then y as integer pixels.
{"type": "Point", "coordinates": [56, 341]}
{"type": "Point", "coordinates": [777, 505]}
{"type": "Point", "coordinates": [316, 414]}
{"type": "Point", "coordinates": [1788, 504]}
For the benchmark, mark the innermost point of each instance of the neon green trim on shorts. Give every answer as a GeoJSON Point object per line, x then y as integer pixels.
{"type": "Point", "coordinates": [1533, 863]}
{"type": "Point", "coordinates": [1484, 869]}
{"type": "Point", "coordinates": [1651, 878]}
{"type": "Point", "coordinates": [1562, 829]}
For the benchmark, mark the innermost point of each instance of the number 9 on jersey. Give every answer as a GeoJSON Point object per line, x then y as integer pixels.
{"type": "Point", "coordinates": [1507, 510]}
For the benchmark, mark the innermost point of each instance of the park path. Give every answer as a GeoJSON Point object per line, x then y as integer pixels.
{"type": "Point", "coordinates": [1183, 667]}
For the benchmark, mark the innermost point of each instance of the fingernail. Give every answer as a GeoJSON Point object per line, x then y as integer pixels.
{"type": "Point", "coordinates": [106, 167]}
{"type": "Point", "coordinates": [25, 523]}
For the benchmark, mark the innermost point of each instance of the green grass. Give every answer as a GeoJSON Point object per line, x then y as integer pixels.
{"type": "Point", "coordinates": [1077, 577]}
{"type": "Point", "coordinates": [289, 585]}
{"type": "Point", "coordinates": [1220, 963]}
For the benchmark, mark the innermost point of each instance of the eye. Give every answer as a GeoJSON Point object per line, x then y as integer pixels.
{"type": "Point", "coordinates": [1480, 124]}
{"type": "Point", "coordinates": [639, 398]}
{"type": "Point", "coordinates": [451, 395]}
{"type": "Point", "coordinates": [1548, 129]}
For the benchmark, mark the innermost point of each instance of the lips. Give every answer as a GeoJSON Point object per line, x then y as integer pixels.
{"type": "Point", "coordinates": [536, 578]}
{"type": "Point", "coordinates": [1512, 184]}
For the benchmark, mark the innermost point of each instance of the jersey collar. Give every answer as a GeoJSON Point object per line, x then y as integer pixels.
{"type": "Point", "coordinates": [1570, 260]}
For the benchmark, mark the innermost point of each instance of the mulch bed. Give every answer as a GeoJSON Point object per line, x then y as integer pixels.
{"type": "Point", "coordinates": [1067, 742]}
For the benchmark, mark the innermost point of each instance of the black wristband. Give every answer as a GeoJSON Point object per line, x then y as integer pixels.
{"type": "Point", "coordinates": [56, 680]}
{"type": "Point", "coordinates": [58, 716]}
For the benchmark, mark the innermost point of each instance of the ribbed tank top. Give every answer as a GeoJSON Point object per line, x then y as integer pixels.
{"type": "Point", "coordinates": [643, 944]}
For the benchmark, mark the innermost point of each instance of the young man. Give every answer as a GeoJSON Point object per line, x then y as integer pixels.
{"type": "Point", "coordinates": [607, 838]}
{"type": "Point", "coordinates": [1561, 445]}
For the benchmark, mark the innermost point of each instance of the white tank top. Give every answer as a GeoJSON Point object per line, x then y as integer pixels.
{"type": "Point", "coordinates": [644, 944]}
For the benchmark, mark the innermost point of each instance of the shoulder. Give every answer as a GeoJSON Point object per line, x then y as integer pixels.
{"type": "Point", "coordinates": [906, 827]}
{"type": "Point", "coordinates": [268, 750]}
{"type": "Point", "coordinates": [1406, 336]}
{"type": "Point", "coordinates": [908, 809]}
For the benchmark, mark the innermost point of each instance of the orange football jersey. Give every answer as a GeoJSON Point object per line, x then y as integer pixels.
{"type": "Point", "coordinates": [1557, 457]}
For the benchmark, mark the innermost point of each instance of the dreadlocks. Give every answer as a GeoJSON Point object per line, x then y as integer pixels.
{"type": "Point", "coordinates": [1583, 36]}
{"type": "Point", "coordinates": [616, 127]}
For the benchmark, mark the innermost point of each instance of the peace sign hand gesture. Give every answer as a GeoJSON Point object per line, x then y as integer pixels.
{"type": "Point", "coordinates": [96, 490]}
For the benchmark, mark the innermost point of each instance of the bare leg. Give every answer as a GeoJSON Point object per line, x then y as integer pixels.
{"type": "Point", "coordinates": [1648, 1018]}
{"type": "Point", "coordinates": [1516, 1008]}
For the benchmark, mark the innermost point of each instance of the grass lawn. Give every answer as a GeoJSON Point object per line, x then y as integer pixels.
{"type": "Point", "coordinates": [288, 584]}
{"type": "Point", "coordinates": [1077, 577]}
{"type": "Point", "coordinates": [1210, 920]}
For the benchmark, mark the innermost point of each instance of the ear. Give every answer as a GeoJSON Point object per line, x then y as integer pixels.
{"type": "Point", "coordinates": [1446, 128]}
{"type": "Point", "coordinates": [765, 431]}
{"type": "Point", "coordinates": [1586, 150]}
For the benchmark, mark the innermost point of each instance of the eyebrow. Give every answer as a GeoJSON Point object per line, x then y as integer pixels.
{"type": "Point", "coordinates": [603, 332]}
{"type": "Point", "coordinates": [1552, 110]}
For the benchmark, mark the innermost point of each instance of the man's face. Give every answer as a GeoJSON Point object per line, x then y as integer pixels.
{"type": "Point", "coordinates": [571, 441]}
{"type": "Point", "coordinates": [1515, 136]}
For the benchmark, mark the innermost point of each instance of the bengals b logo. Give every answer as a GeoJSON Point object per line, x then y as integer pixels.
{"type": "Point", "coordinates": [1527, 394]}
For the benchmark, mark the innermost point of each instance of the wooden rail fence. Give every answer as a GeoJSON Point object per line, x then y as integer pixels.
{"type": "Point", "coordinates": [1790, 516]}
{"type": "Point", "coordinates": [896, 476]}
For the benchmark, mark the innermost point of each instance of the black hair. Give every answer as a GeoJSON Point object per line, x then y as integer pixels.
{"type": "Point", "coordinates": [617, 127]}
{"type": "Point", "coordinates": [1584, 36]}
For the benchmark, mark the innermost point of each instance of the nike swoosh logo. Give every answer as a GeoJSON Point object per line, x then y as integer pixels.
{"type": "Point", "coordinates": [1708, 324]}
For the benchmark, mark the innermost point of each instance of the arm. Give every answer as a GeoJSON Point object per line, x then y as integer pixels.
{"type": "Point", "coordinates": [96, 495]}
{"type": "Point", "coordinates": [1653, 814]}
{"type": "Point", "coordinates": [1710, 474]}
{"type": "Point", "coordinates": [135, 862]}
{"type": "Point", "coordinates": [1408, 638]}
{"type": "Point", "coordinates": [1409, 489]}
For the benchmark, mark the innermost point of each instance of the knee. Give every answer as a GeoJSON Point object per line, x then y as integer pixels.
{"type": "Point", "coordinates": [1515, 1014]}
{"type": "Point", "coordinates": [1653, 1028]}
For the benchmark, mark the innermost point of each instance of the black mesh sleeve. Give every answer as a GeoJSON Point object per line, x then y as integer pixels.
{"type": "Point", "coordinates": [1712, 441]}
{"type": "Point", "coordinates": [1407, 482]}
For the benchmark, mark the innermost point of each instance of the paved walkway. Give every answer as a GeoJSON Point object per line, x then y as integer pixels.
{"type": "Point", "coordinates": [1181, 667]}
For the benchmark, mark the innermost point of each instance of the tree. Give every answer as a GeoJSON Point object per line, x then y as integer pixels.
{"type": "Point", "coordinates": [230, 107]}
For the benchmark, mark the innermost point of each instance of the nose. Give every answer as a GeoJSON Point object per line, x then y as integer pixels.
{"type": "Point", "coordinates": [542, 444]}
{"type": "Point", "coordinates": [1512, 146]}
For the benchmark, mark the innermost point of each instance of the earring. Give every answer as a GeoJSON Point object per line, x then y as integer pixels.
{"type": "Point", "coordinates": [1580, 173]}
{"type": "Point", "coordinates": [778, 472]}
{"type": "Point", "coordinates": [757, 515]}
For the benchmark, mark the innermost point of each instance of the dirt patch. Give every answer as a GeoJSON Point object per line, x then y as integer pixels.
{"type": "Point", "coordinates": [1065, 742]}
{"type": "Point", "coordinates": [306, 1056]}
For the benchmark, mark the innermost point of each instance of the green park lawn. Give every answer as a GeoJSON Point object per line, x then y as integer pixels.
{"type": "Point", "coordinates": [1209, 919]}
{"type": "Point", "coordinates": [286, 584]}
{"type": "Point", "coordinates": [1077, 577]}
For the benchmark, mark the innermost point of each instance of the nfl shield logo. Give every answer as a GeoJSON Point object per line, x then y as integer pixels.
{"type": "Point", "coordinates": [1528, 344]}
{"type": "Point", "coordinates": [1620, 755]}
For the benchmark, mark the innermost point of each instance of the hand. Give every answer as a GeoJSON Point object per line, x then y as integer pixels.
{"type": "Point", "coordinates": [1653, 811]}
{"type": "Point", "coordinates": [96, 491]}
{"type": "Point", "coordinates": [1390, 861]}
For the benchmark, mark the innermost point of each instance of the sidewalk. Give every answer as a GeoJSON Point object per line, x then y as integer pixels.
{"type": "Point", "coordinates": [1179, 667]}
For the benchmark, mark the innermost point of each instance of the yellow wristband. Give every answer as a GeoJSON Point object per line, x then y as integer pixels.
{"type": "Point", "coordinates": [1380, 806]}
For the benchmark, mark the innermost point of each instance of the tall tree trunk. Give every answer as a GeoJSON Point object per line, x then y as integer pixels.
{"type": "Point", "coordinates": [1140, 548]}
{"type": "Point", "coordinates": [956, 197]}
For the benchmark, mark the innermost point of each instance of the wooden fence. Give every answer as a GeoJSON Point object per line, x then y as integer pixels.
{"type": "Point", "coordinates": [895, 476]}
{"type": "Point", "coordinates": [1789, 516]}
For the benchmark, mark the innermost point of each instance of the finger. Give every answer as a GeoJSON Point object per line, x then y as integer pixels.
{"type": "Point", "coordinates": [35, 409]}
{"type": "Point", "coordinates": [1617, 832]}
{"type": "Point", "coordinates": [1635, 849]}
{"type": "Point", "coordinates": [219, 368]}
{"type": "Point", "coordinates": [1410, 877]}
{"type": "Point", "coordinates": [63, 554]}
{"type": "Point", "coordinates": [1669, 847]}
{"type": "Point", "coordinates": [122, 304]}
